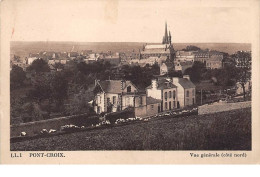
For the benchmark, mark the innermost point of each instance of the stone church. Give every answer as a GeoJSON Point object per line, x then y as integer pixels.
{"type": "Point", "coordinates": [163, 51]}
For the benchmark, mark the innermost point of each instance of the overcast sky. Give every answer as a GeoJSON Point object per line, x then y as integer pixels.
{"type": "Point", "coordinates": [125, 21]}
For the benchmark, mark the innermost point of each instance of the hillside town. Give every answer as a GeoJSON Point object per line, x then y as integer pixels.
{"type": "Point", "coordinates": [115, 87]}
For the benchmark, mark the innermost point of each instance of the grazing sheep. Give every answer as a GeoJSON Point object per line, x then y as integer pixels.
{"type": "Point", "coordinates": [52, 131]}
{"type": "Point", "coordinates": [44, 131]}
{"type": "Point", "coordinates": [23, 134]}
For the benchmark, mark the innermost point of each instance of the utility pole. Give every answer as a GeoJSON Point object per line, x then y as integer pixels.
{"type": "Point", "coordinates": [200, 96]}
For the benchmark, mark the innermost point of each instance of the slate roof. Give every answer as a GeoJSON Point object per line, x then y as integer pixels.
{"type": "Point", "coordinates": [163, 84]}
{"type": "Point", "coordinates": [185, 83]}
{"type": "Point", "coordinates": [157, 46]}
{"type": "Point", "coordinates": [112, 86]}
{"type": "Point", "coordinates": [150, 100]}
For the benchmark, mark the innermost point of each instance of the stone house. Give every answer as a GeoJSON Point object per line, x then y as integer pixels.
{"type": "Point", "coordinates": [186, 92]}
{"type": "Point", "coordinates": [117, 95]}
{"type": "Point", "coordinates": [163, 89]}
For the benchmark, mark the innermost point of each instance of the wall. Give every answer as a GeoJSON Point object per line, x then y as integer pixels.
{"type": "Point", "coordinates": [169, 99]}
{"type": "Point", "coordinates": [127, 100]}
{"type": "Point", "coordinates": [140, 111]}
{"type": "Point", "coordinates": [117, 101]}
{"type": "Point", "coordinates": [152, 109]}
{"type": "Point", "coordinates": [220, 107]}
{"type": "Point", "coordinates": [188, 100]}
{"type": "Point", "coordinates": [99, 99]}
{"type": "Point", "coordinates": [180, 94]}
{"type": "Point", "coordinates": [32, 128]}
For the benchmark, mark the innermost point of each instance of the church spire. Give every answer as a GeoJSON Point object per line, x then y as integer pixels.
{"type": "Point", "coordinates": [166, 37]}
{"type": "Point", "coordinates": [170, 38]}
{"type": "Point", "coordinates": [166, 34]}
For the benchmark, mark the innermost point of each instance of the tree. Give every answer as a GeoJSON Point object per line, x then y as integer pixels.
{"type": "Point", "coordinates": [39, 66]}
{"type": "Point", "coordinates": [173, 73]}
{"type": "Point", "coordinates": [191, 48]}
{"type": "Point", "coordinates": [79, 104]}
{"type": "Point", "coordinates": [17, 77]}
{"type": "Point", "coordinates": [195, 72]}
{"type": "Point", "coordinates": [59, 87]}
{"type": "Point", "coordinates": [243, 60]}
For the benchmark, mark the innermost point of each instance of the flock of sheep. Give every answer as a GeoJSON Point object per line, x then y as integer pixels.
{"type": "Point", "coordinates": [72, 127]}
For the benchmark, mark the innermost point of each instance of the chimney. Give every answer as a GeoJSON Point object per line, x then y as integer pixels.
{"type": "Point", "coordinates": [186, 77]}
{"type": "Point", "coordinates": [122, 84]}
{"type": "Point", "coordinates": [175, 80]}
{"type": "Point", "coordinates": [154, 84]}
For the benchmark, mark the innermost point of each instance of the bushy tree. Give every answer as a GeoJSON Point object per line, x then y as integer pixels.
{"type": "Point", "coordinates": [195, 71]}
{"type": "Point", "coordinates": [191, 48]}
{"type": "Point", "coordinates": [39, 66]}
{"type": "Point", "coordinates": [79, 104]}
{"type": "Point", "coordinates": [243, 72]}
{"type": "Point", "coordinates": [17, 77]}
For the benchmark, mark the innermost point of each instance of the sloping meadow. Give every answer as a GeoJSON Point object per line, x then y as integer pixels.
{"type": "Point", "coordinates": [229, 130]}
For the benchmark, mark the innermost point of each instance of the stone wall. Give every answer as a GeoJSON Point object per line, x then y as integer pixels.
{"type": "Point", "coordinates": [221, 107]}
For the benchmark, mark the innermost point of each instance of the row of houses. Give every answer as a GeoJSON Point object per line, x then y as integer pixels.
{"type": "Point", "coordinates": [211, 59]}
{"type": "Point", "coordinates": [163, 94]}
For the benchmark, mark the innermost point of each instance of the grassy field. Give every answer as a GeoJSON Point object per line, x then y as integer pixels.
{"type": "Point", "coordinates": [221, 131]}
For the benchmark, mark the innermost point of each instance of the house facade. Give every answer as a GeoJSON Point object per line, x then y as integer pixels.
{"type": "Point", "coordinates": [117, 95]}
{"type": "Point", "coordinates": [183, 56]}
{"type": "Point", "coordinates": [163, 89]}
{"type": "Point", "coordinates": [186, 91]}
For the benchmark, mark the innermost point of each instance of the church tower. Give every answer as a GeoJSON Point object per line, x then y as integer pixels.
{"type": "Point", "coordinates": [166, 38]}
{"type": "Point", "coordinates": [170, 38]}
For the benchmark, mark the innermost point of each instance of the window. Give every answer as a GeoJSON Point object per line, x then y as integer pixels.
{"type": "Point", "coordinates": [108, 100]}
{"type": "Point", "coordinates": [166, 106]}
{"type": "Point", "coordinates": [170, 105]}
{"type": "Point", "coordinates": [174, 105]}
{"type": "Point", "coordinates": [165, 95]}
{"type": "Point", "coordinates": [170, 94]}
{"type": "Point", "coordinates": [193, 92]}
{"type": "Point", "coordinates": [174, 93]}
{"type": "Point", "coordinates": [129, 89]}
{"type": "Point", "coordinates": [187, 93]}
{"type": "Point", "coordinates": [114, 99]}
{"type": "Point", "coordinates": [100, 99]}
{"type": "Point", "coordinates": [152, 107]}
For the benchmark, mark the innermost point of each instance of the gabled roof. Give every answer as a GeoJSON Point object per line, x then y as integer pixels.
{"type": "Point", "coordinates": [185, 83]}
{"type": "Point", "coordinates": [150, 100]}
{"type": "Point", "coordinates": [113, 86]}
{"type": "Point", "coordinates": [157, 46]}
{"type": "Point", "coordinates": [163, 84]}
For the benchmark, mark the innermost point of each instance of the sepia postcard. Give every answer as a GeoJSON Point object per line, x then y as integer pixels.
{"type": "Point", "coordinates": [130, 82]}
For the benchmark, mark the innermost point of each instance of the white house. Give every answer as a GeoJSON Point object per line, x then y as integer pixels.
{"type": "Point", "coordinates": [109, 95]}
{"type": "Point", "coordinates": [165, 90]}
{"type": "Point", "coordinates": [117, 95]}
{"type": "Point", "coordinates": [186, 92]}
